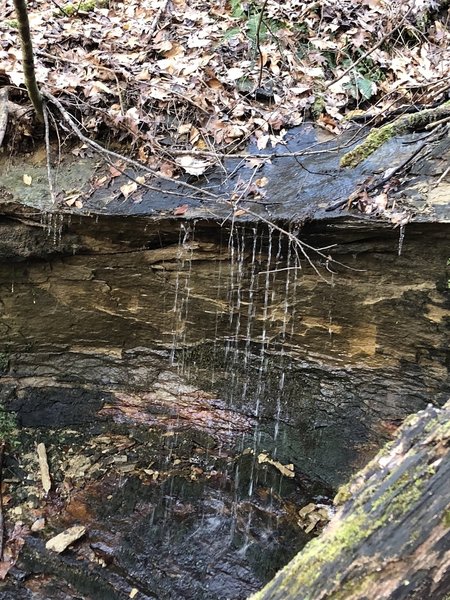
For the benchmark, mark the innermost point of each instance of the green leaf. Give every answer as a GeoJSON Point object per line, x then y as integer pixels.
{"type": "Point", "coordinates": [230, 33]}
{"type": "Point", "coordinates": [365, 87]}
{"type": "Point", "coordinates": [237, 10]}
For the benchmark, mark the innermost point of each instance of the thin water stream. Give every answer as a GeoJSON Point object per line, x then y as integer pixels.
{"type": "Point", "coordinates": [193, 397]}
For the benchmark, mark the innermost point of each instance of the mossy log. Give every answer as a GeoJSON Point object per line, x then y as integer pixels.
{"type": "Point", "coordinates": [390, 537]}
{"type": "Point", "coordinates": [404, 124]}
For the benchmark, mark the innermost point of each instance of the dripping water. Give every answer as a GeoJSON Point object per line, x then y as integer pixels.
{"type": "Point", "coordinates": [182, 293]}
{"type": "Point", "coordinates": [401, 238]}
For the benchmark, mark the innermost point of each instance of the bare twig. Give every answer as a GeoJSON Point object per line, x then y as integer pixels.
{"type": "Point", "coordinates": [47, 152]}
{"type": "Point", "coordinates": [302, 246]}
{"type": "Point", "coordinates": [156, 19]}
{"type": "Point", "coordinates": [43, 466]}
{"type": "Point", "coordinates": [443, 176]}
{"type": "Point", "coordinates": [437, 123]}
{"type": "Point", "coordinates": [60, 8]}
{"type": "Point", "coordinates": [258, 42]}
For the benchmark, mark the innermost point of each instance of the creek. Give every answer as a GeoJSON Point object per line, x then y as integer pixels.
{"type": "Point", "coordinates": [196, 386]}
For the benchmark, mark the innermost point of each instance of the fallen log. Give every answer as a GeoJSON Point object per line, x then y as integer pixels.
{"type": "Point", "coordinates": [390, 537]}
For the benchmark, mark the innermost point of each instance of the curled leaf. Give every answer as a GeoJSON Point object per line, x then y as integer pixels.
{"type": "Point", "coordinates": [192, 165]}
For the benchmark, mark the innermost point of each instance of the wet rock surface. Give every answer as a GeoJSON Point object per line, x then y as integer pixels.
{"type": "Point", "coordinates": [302, 180]}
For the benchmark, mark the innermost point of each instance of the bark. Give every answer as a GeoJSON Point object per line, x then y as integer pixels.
{"type": "Point", "coordinates": [391, 535]}
{"type": "Point", "coordinates": [28, 58]}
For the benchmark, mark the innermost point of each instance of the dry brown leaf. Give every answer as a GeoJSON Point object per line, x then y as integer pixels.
{"type": "Point", "coordinates": [180, 210]}
{"type": "Point", "coordinates": [114, 172]}
{"type": "Point", "coordinates": [128, 188]}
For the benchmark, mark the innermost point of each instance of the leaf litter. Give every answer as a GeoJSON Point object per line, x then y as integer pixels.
{"type": "Point", "coordinates": [188, 75]}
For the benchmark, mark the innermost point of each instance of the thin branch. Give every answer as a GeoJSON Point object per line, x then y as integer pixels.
{"type": "Point", "coordinates": [60, 8]}
{"type": "Point", "coordinates": [28, 58]}
{"type": "Point", "coordinates": [302, 246]}
{"type": "Point", "coordinates": [47, 152]}
{"type": "Point", "coordinates": [156, 19]}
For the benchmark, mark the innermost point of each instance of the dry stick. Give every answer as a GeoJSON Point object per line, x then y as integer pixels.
{"type": "Point", "coordinates": [155, 21]}
{"type": "Point", "coordinates": [47, 153]}
{"type": "Point", "coordinates": [103, 151]}
{"type": "Point", "coordinates": [443, 176]}
{"type": "Point", "coordinates": [258, 41]}
{"type": "Point", "coordinates": [3, 113]}
{"type": "Point", "coordinates": [60, 8]}
{"type": "Point", "coordinates": [369, 52]}
{"type": "Point", "coordinates": [28, 58]}
{"type": "Point", "coordinates": [436, 123]}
